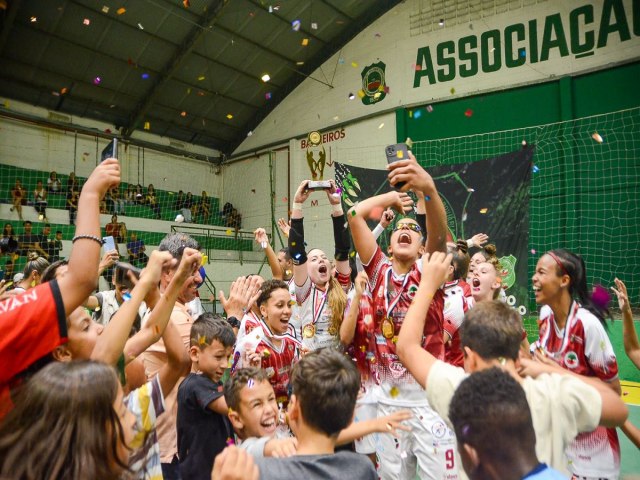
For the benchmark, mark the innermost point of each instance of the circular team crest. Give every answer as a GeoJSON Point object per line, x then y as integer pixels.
{"type": "Point", "coordinates": [373, 83]}
{"type": "Point", "coordinates": [439, 429]}
{"type": "Point", "coordinates": [411, 291]}
{"type": "Point", "coordinates": [571, 360]}
{"type": "Point", "coordinates": [315, 138]}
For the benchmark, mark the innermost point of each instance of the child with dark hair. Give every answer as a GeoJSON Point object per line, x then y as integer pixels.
{"type": "Point", "coordinates": [457, 301]}
{"type": "Point", "coordinates": [325, 386]}
{"type": "Point", "coordinates": [562, 404]}
{"type": "Point", "coordinates": [269, 342]}
{"type": "Point", "coordinates": [493, 425]}
{"type": "Point", "coordinates": [202, 425]}
{"type": "Point", "coordinates": [572, 335]}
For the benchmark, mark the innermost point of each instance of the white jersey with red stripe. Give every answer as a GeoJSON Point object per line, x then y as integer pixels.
{"type": "Point", "coordinates": [457, 301]}
{"type": "Point", "coordinates": [584, 348]}
{"type": "Point", "coordinates": [315, 315]}
{"type": "Point", "coordinates": [395, 292]}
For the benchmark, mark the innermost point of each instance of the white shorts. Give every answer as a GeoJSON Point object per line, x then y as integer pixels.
{"type": "Point", "coordinates": [366, 411]}
{"type": "Point", "coordinates": [428, 451]}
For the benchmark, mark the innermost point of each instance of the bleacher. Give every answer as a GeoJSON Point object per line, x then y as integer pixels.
{"type": "Point", "coordinates": [138, 218]}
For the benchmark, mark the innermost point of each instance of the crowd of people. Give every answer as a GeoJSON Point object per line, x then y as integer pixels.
{"type": "Point", "coordinates": [403, 363]}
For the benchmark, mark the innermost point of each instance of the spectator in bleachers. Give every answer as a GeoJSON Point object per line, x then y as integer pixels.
{"type": "Point", "coordinates": [152, 201]}
{"type": "Point", "coordinates": [130, 195]}
{"type": "Point", "coordinates": [53, 183]}
{"type": "Point", "coordinates": [72, 183]}
{"type": "Point", "coordinates": [7, 232]}
{"type": "Point", "coordinates": [135, 249]}
{"type": "Point", "coordinates": [40, 201]}
{"type": "Point", "coordinates": [179, 202]}
{"type": "Point", "coordinates": [187, 207]}
{"type": "Point", "coordinates": [140, 199]}
{"type": "Point", "coordinates": [43, 246]}
{"type": "Point", "coordinates": [28, 239]}
{"type": "Point", "coordinates": [115, 229]}
{"type": "Point", "coordinates": [203, 208]}
{"type": "Point", "coordinates": [56, 247]}
{"type": "Point", "coordinates": [10, 242]}
{"type": "Point", "coordinates": [18, 198]}
{"type": "Point", "coordinates": [116, 200]}
{"type": "Point", "coordinates": [72, 205]}
{"type": "Point", "coordinates": [9, 268]}
{"type": "Point", "coordinates": [32, 272]}
{"type": "Point", "coordinates": [234, 220]}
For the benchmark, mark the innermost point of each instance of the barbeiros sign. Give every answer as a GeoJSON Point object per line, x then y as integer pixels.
{"type": "Point", "coordinates": [578, 33]}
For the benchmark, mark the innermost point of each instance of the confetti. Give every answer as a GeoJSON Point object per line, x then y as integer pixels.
{"type": "Point", "coordinates": [250, 383]}
{"type": "Point", "coordinates": [183, 113]}
{"type": "Point", "coordinates": [453, 90]}
{"type": "Point", "coordinates": [597, 137]}
{"type": "Point", "coordinates": [33, 19]}
{"type": "Point", "coordinates": [266, 353]}
{"type": "Point", "coordinates": [229, 116]}
{"type": "Point", "coordinates": [535, 169]}
{"type": "Point", "coordinates": [305, 42]}
{"type": "Point", "coordinates": [468, 113]}
{"type": "Point", "coordinates": [121, 10]}
{"type": "Point", "coordinates": [147, 125]}
{"type": "Point", "coordinates": [230, 441]}
{"type": "Point", "coordinates": [470, 190]}
{"type": "Point", "coordinates": [429, 108]}
{"type": "Point", "coordinates": [415, 67]}
{"type": "Point", "coordinates": [381, 126]}
{"type": "Point", "coordinates": [229, 232]}
{"type": "Point", "coordinates": [417, 114]}
{"type": "Point", "coordinates": [179, 218]}
{"type": "Point", "coordinates": [523, 53]}
{"type": "Point", "coordinates": [341, 61]}
{"type": "Point", "coordinates": [361, 93]}
{"type": "Point", "coordinates": [524, 143]}
{"type": "Point", "coordinates": [386, 89]}
{"type": "Point", "coordinates": [140, 26]}
{"type": "Point", "coordinates": [145, 76]}
{"type": "Point", "coordinates": [427, 198]}
{"type": "Point", "coordinates": [105, 9]}
{"type": "Point", "coordinates": [97, 80]}
{"type": "Point", "coordinates": [249, 133]}
{"type": "Point", "coordinates": [394, 392]}
{"type": "Point", "coordinates": [533, 251]}
{"type": "Point", "coordinates": [126, 296]}
{"type": "Point", "coordinates": [293, 244]}
{"type": "Point", "coordinates": [314, 26]}
{"type": "Point", "coordinates": [484, 210]}
{"type": "Point", "coordinates": [202, 340]}
{"type": "Point", "coordinates": [86, 22]}
{"type": "Point", "coordinates": [354, 64]}
{"type": "Point", "coordinates": [267, 95]}
{"type": "Point", "coordinates": [295, 25]}
{"type": "Point", "coordinates": [201, 78]}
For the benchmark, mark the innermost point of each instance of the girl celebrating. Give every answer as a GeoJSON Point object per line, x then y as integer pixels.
{"type": "Point", "coordinates": [69, 422]}
{"type": "Point", "coordinates": [321, 295]}
{"type": "Point", "coordinates": [486, 283]}
{"type": "Point", "coordinates": [572, 334]}
{"type": "Point", "coordinates": [269, 342]}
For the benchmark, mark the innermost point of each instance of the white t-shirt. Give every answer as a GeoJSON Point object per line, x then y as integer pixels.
{"type": "Point", "coordinates": [561, 407]}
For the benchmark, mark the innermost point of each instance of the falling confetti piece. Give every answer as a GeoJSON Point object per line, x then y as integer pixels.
{"type": "Point", "coordinates": [484, 210]}
{"type": "Point", "coordinates": [354, 64]}
{"type": "Point", "coordinates": [387, 89]}
{"type": "Point", "coordinates": [453, 90]}
{"type": "Point", "coordinates": [523, 53]}
{"type": "Point", "coordinates": [417, 114]}
{"type": "Point", "coordinates": [229, 116]}
{"type": "Point", "coordinates": [147, 125]}
{"type": "Point", "coordinates": [250, 383]}
{"type": "Point", "coordinates": [64, 90]}
{"type": "Point", "coordinates": [249, 133]}
{"type": "Point", "coordinates": [305, 42]}
{"type": "Point", "coordinates": [33, 19]}
{"type": "Point", "coordinates": [468, 113]}
{"type": "Point", "coordinates": [524, 143]}
{"type": "Point", "coordinates": [105, 9]}
{"type": "Point", "coordinates": [202, 339]}
{"type": "Point", "coordinates": [533, 251]}
{"type": "Point", "coordinates": [55, 94]}
{"type": "Point", "coordinates": [97, 80]}
{"type": "Point", "coordinates": [266, 353]}
{"type": "Point", "coordinates": [381, 126]}
{"type": "Point", "coordinates": [121, 10]}
{"type": "Point", "coordinates": [230, 441]}
{"type": "Point", "coordinates": [295, 25]}
{"type": "Point", "coordinates": [410, 113]}
{"type": "Point", "coordinates": [535, 169]}
{"type": "Point", "coordinates": [341, 61]}
{"type": "Point", "coordinates": [394, 392]}
{"type": "Point", "coordinates": [86, 21]}
{"type": "Point", "coordinates": [201, 78]}
{"type": "Point", "coordinates": [145, 76]}
{"type": "Point", "coordinates": [126, 296]}
{"type": "Point", "coordinates": [229, 232]}
{"type": "Point", "coordinates": [417, 68]}
{"type": "Point", "coordinates": [201, 93]}
{"type": "Point", "coordinates": [597, 137]}
{"type": "Point", "coordinates": [470, 190]}
{"type": "Point", "coordinates": [429, 108]}
{"type": "Point", "coordinates": [183, 113]}
{"type": "Point", "coordinates": [314, 26]}
{"type": "Point", "coordinates": [140, 26]}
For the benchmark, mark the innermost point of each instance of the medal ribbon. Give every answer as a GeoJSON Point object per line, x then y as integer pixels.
{"type": "Point", "coordinates": [565, 338]}
{"type": "Point", "coordinates": [318, 311]}
{"type": "Point", "coordinates": [387, 278]}
{"type": "Point", "coordinates": [276, 336]}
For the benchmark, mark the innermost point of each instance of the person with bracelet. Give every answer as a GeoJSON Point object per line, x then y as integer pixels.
{"type": "Point", "coordinates": [321, 296]}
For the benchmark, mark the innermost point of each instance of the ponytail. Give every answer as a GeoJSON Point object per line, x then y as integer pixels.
{"type": "Point", "coordinates": [337, 301]}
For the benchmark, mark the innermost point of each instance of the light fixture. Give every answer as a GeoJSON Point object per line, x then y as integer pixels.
{"type": "Point", "coordinates": [441, 23]}
{"type": "Point", "coordinates": [351, 96]}
{"type": "Point", "coordinates": [265, 78]}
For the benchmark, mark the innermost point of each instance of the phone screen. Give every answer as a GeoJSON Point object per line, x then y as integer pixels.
{"type": "Point", "coordinates": [109, 244]}
{"type": "Point", "coordinates": [110, 151]}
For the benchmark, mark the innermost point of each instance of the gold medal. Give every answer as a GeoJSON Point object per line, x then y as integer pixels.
{"type": "Point", "coordinates": [309, 330]}
{"type": "Point", "coordinates": [332, 331]}
{"type": "Point", "coordinates": [387, 327]}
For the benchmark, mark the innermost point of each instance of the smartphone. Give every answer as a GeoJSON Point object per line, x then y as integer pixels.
{"type": "Point", "coordinates": [1, 275]}
{"type": "Point", "coordinates": [319, 185]}
{"type": "Point", "coordinates": [121, 274]}
{"type": "Point", "coordinates": [109, 244]}
{"type": "Point", "coordinates": [111, 150]}
{"type": "Point", "coordinates": [396, 152]}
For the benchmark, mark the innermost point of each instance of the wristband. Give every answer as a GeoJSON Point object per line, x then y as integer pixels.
{"type": "Point", "coordinates": [336, 208]}
{"type": "Point", "coordinates": [470, 243]}
{"type": "Point", "coordinates": [233, 321]}
{"type": "Point", "coordinates": [296, 206]}
{"type": "Point", "coordinates": [88, 237]}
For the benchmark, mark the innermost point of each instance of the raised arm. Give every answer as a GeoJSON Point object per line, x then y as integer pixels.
{"type": "Point", "coordinates": [263, 240]}
{"type": "Point", "coordinates": [416, 359]}
{"type": "Point", "coordinates": [417, 179]}
{"type": "Point", "coordinates": [631, 344]}
{"type": "Point", "coordinates": [296, 235]}
{"type": "Point", "coordinates": [348, 325]}
{"type": "Point", "coordinates": [157, 322]}
{"type": "Point", "coordinates": [363, 239]}
{"type": "Point", "coordinates": [340, 231]}
{"type": "Point", "coordinates": [111, 343]}
{"type": "Point", "coordinates": [81, 277]}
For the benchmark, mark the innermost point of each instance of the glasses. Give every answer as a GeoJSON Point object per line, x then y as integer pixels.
{"type": "Point", "coordinates": [408, 226]}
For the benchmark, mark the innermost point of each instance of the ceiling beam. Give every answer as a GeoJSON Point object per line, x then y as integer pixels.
{"type": "Point", "coordinates": [7, 25]}
{"type": "Point", "coordinates": [336, 9]}
{"type": "Point", "coordinates": [372, 14]}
